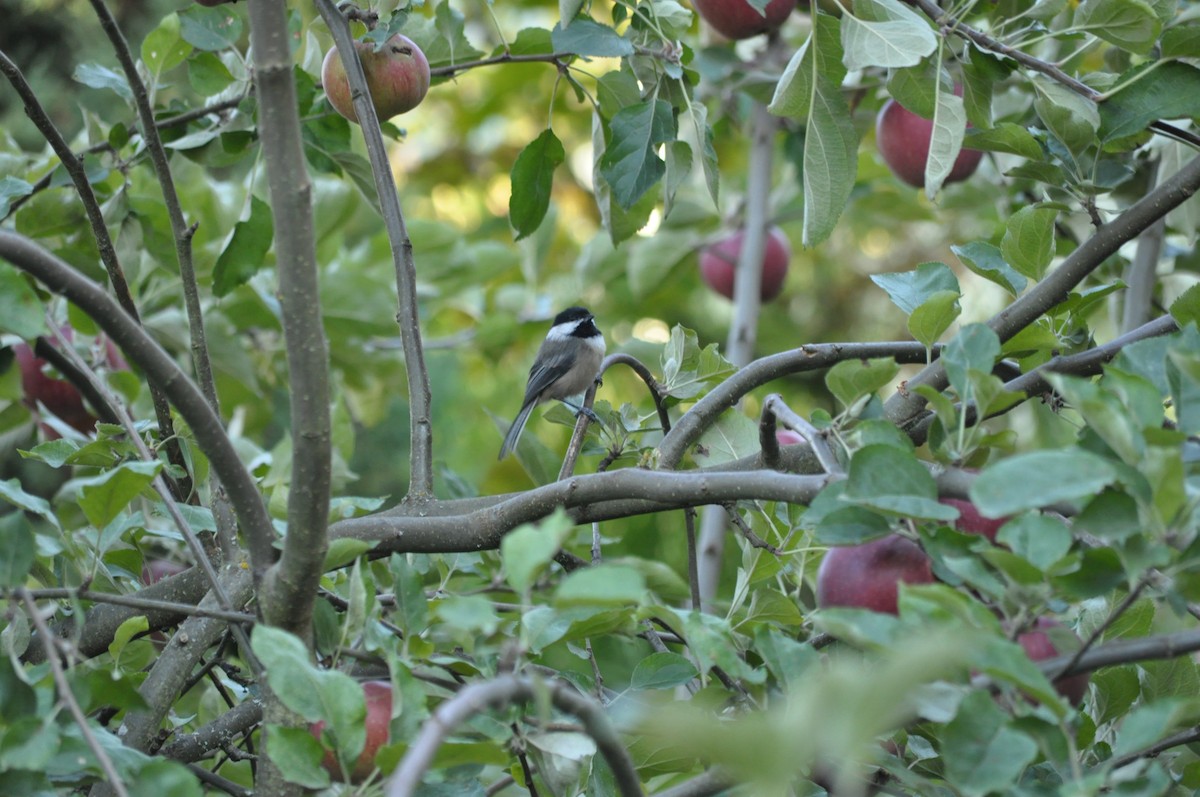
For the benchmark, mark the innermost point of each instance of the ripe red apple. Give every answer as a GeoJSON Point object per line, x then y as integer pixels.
{"type": "Point", "coordinates": [971, 522]}
{"type": "Point", "coordinates": [59, 396]}
{"type": "Point", "coordinates": [155, 570]}
{"type": "Point", "coordinates": [397, 77]}
{"type": "Point", "coordinates": [1039, 646]}
{"type": "Point", "coordinates": [787, 437]}
{"type": "Point", "coordinates": [903, 140]}
{"type": "Point", "coordinates": [867, 576]}
{"type": "Point", "coordinates": [737, 19]}
{"type": "Point", "coordinates": [378, 695]}
{"type": "Point", "coordinates": [719, 261]}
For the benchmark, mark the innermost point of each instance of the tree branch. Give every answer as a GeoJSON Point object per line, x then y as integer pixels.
{"type": "Point", "coordinates": [502, 692]}
{"type": "Point", "coordinates": [420, 488]}
{"type": "Point", "coordinates": [217, 734]}
{"type": "Point", "coordinates": [813, 357]}
{"type": "Point", "coordinates": [290, 587]}
{"type": "Point", "coordinates": [160, 368]}
{"type": "Point", "coordinates": [903, 407]}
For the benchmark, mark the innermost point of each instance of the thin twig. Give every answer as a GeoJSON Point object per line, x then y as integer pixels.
{"type": "Point", "coordinates": [136, 602]}
{"type": "Point", "coordinates": [450, 70]}
{"type": "Point", "coordinates": [755, 541]}
{"type": "Point", "coordinates": [67, 696]}
{"type": "Point", "coordinates": [420, 488]}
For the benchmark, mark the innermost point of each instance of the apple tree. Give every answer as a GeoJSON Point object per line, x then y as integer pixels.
{"type": "Point", "coordinates": [888, 486]}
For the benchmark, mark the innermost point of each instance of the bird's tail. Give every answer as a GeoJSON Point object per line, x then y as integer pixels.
{"type": "Point", "coordinates": [514, 431]}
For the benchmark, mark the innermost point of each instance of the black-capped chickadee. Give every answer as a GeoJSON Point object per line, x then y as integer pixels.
{"type": "Point", "coordinates": [566, 365]}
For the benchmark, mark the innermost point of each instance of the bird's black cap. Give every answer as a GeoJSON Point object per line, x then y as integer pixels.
{"type": "Point", "coordinates": [572, 314]}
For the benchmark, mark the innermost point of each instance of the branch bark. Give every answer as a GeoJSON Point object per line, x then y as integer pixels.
{"type": "Point", "coordinates": [290, 587]}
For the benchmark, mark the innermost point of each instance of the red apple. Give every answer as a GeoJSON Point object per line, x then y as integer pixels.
{"type": "Point", "coordinates": [58, 396]}
{"type": "Point", "coordinates": [903, 140]}
{"type": "Point", "coordinates": [971, 522]}
{"type": "Point", "coordinates": [155, 570]}
{"type": "Point", "coordinates": [787, 437]}
{"type": "Point", "coordinates": [737, 19]}
{"type": "Point", "coordinates": [378, 695]}
{"type": "Point", "coordinates": [1039, 646]}
{"type": "Point", "coordinates": [867, 576]}
{"type": "Point", "coordinates": [397, 77]}
{"type": "Point", "coordinates": [719, 261]}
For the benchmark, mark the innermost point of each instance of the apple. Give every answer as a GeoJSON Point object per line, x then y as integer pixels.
{"type": "Point", "coordinates": [903, 140]}
{"type": "Point", "coordinates": [1039, 646]}
{"type": "Point", "coordinates": [718, 263]}
{"type": "Point", "coordinates": [867, 576]}
{"type": "Point", "coordinates": [155, 570]}
{"type": "Point", "coordinates": [397, 77]}
{"type": "Point", "coordinates": [378, 695]}
{"type": "Point", "coordinates": [737, 19]}
{"type": "Point", "coordinates": [58, 396]}
{"type": "Point", "coordinates": [787, 437]}
{"type": "Point", "coordinates": [971, 522]}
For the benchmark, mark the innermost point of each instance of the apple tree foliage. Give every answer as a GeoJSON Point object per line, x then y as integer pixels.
{"type": "Point", "coordinates": [173, 178]}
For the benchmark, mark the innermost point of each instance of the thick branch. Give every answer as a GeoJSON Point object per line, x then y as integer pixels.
{"type": "Point", "coordinates": [598, 496]}
{"type": "Point", "coordinates": [500, 693]}
{"type": "Point", "coordinates": [290, 587]}
{"type": "Point", "coordinates": [160, 369]}
{"type": "Point", "coordinates": [902, 407]}
{"type": "Point", "coordinates": [420, 486]}
{"type": "Point", "coordinates": [215, 735]}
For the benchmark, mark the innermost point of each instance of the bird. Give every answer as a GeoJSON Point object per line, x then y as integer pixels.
{"type": "Point", "coordinates": [566, 364]}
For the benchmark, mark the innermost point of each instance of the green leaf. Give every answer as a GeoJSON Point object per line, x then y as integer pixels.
{"type": "Point", "coordinates": [243, 256]}
{"type": "Point", "coordinates": [1041, 539]}
{"type": "Point", "coordinates": [663, 670]}
{"type": "Point", "coordinates": [298, 755]}
{"type": "Point", "coordinates": [343, 551]}
{"type": "Point", "coordinates": [884, 477]}
{"type": "Point", "coordinates": [1028, 244]}
{"type": "Point", "coordinates": [19, 551]}
{"type": "Point", "coordinates": [1130, 24]}
{"type": "Point", "coordinates": [602, 585]}
{"type": "Point", "coordinates": [101, 77]}
{"type": "Point", "coordinates": [15, 495]}
{"type": "Point", "coordinates": [697, 117]}
{"type": "Point", "coordinates": [1148, 723]}
{"type": "Point", "coordinates": [910, 289]}
{"type": "Point", "coordinates": [1181, 41]}
{"type": "Point", "coordinates": [210, 28]}
{"type": "Point", "coordinates": [732, 437]}
{"type": "Point", "coordinates": [981, 751]}
{"type": "Point", "coordinates": [809, 91]}
{"type": "Point", "coordinates": [528, 549]}
{"type": "Point", "coordinates": [901, 38]}
{"type": "Point", "coordinates": [163, 48]}
{"type": "Point", "coordinates": [986, 260]}
{"type": "Point", "coordinates": [208, 74]}
{"type": "Point", "coordinates": [102, 497]}
{"type": "Point", "coordinates": [851, 379]}
{"type": "Point", "coordinates": [1039, 478]}
{"type": "Point", "coordinates": [1073, 119]}
{"type": "Point", "coordinates": [934, 316]}
{"type": "Point", "coordinates": [1005, 137]}
{"type": "Point", "coordinates": [20, 309]}
{"type": "Point", "coordinates": [588, 37]}
{"type": "Point", "coordinates": [532, 180]}
{"type": "Point", "coordinates": [316, 695]}
{"type": "Point", "coordinates": [949, 125]}
{"type": "Point", "coordinates": [12, 188]}
{"type": "Point", "coordinates": [631, 164]}
{"type": "Point", "coordinates": [1170, 91]}
{"type": "Point", "coordinates": [412, 607]}
{"type": "Point", "coordinates": [974, 348]}
{"type": "Point", "coordinates": [1186, 308]}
